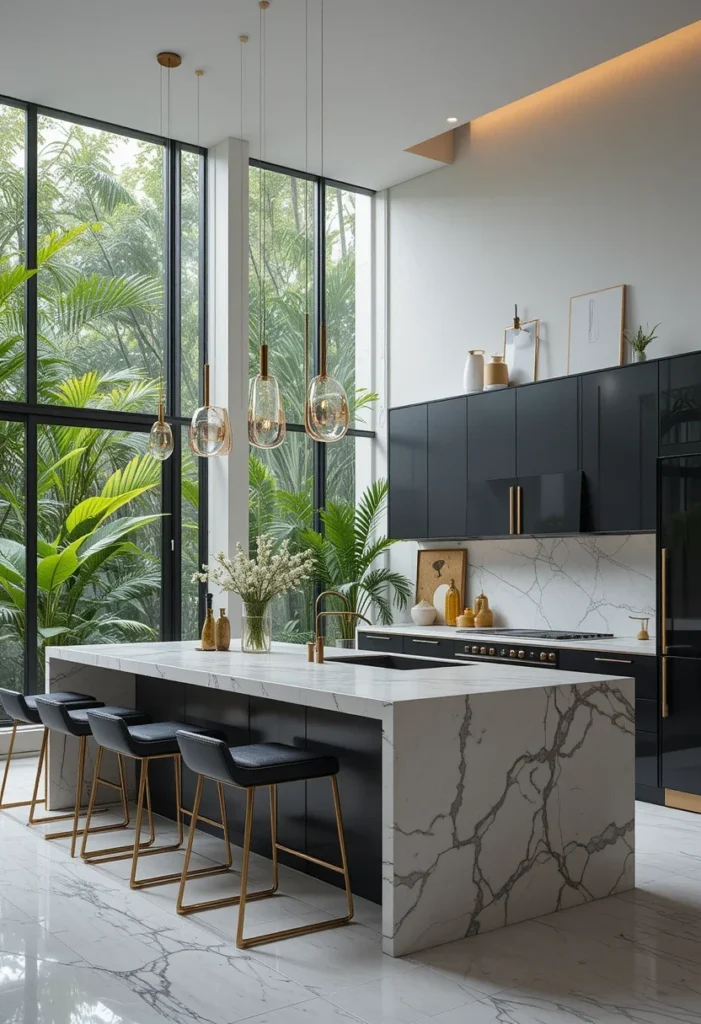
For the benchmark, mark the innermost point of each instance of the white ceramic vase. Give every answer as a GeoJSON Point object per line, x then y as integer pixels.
{"type": "Point", "coordinates": [473, 376]}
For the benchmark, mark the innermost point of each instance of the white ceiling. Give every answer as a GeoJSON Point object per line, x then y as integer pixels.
{"type": "Point", "coordinates": [395, 69]}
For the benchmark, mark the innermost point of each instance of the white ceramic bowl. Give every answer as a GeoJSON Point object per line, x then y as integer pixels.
{"type": "Point", "coordinates": [423, 616]}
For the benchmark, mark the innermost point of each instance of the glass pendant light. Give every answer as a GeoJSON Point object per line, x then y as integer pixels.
{"type": "Point", "coordinates": [210, 430]}
{"type": "Point", "coordinates": [266, 417]}
{"type": "Point", "coordinates": [327, 402]}
{"type": "Point", "coordinates": [160, 440]}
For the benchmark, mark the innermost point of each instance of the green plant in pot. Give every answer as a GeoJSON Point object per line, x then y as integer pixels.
{"type": "Point", "coordinates": [345, 557]}
{"type": "Point", "coordinates": [639, 341]}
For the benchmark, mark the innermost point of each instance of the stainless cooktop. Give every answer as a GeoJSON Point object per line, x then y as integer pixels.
{"type": "Point", "coordinates": [538, 634]}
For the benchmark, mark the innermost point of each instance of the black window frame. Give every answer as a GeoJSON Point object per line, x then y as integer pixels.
{"type": "Point", "coordinates": [33, 415]}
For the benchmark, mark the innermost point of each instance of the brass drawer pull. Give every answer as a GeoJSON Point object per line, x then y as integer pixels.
{"type": "Point", "coordinates": [414, 640]}
{"type": "Point", "coordinates": [618, 661]}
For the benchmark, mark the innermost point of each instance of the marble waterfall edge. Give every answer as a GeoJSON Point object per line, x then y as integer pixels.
{"type": "Point", "coordinates": [528, 810]}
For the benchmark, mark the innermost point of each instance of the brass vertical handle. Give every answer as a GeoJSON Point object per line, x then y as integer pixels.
{"type": "Point", "coordinates": [663, 600]}
{"type": "Point", "coordinates": [519, 523]}
{"type": "Point", "coordinates": [511, 510]}
{"type": "Point", "coordinates": [665, 705]}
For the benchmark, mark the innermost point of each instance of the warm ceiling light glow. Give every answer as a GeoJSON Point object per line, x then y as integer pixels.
{"type": "Point", "coordinates": [452, 120]}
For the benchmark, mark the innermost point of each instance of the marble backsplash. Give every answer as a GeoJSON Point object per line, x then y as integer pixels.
{"type": "Point", "coordinates": [587, 583]}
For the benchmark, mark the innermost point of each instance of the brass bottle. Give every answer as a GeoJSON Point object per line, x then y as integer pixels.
{"type": "Point", "coordinates": [207, 639]}
{"type": "Point", "coordinates": [222, 631]}
{"type": "Point", "coordinates": [484, 618]}
{"type": "Point", "coordinates": [452, 605]}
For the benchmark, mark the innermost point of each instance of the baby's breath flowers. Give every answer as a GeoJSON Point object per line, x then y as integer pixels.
{"type": "Point", "coordinates": [258, 579]}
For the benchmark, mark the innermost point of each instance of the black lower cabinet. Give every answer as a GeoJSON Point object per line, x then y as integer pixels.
{"type": "Point", "coordinates": [681, 729]}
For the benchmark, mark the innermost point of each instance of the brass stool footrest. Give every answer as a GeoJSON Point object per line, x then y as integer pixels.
{"type": "Point", "coordinates": [290, 933]}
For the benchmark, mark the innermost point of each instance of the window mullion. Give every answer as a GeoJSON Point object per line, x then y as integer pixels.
{"type": "Point", "coordinates": [30, 254]}
{"type": "Point", "coordinates": [31, 620]}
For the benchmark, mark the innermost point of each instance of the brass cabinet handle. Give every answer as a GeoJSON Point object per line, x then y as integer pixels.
{"type": "Point", "coordinates": [618, 661]}
{"type": "Point", "coordinates": [511, 510]}
{"type": "Point", "coordinates": [519, 524]}
{"type": "Point", "coordinates": [665, 705]}
{"type": "Point", "coordinates": [663, 597]}
{"type": "Point", "coordinates": [414, 640]}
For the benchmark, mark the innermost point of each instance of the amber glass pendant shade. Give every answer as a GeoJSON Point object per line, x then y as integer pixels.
{"type": "Point", "coordinates": [160, 440]}
{"type": "Point", "coordinates": [266, 418]}
{"type": "Point", "coordinates": [210, 430]}
{"type": "Point", "coordinates": [329, 415]}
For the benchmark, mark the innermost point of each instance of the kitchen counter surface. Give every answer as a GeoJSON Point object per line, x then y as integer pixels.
{"type": "Point", "coordinates": [616, 644]}
{"type": "Point", "coordinates": [286, 675]}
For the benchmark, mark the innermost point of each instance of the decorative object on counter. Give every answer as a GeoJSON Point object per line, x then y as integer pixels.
{"type": "Point", "coordinates": [484, 616]}
{"type": "Point", "coordinates": [466, 620]}
{"type": "Point", "coordinates": [473, 375]}
{"type": "Point", "coordinates": [210, 430]}
{"type": "Point", "coordinates": [644, 620]}
{"type": "Point", "coordinates": [160, 439]}
{"type": "Point", "coordinates": [521, 350]}
{"type": "Point", "coordinates": [434, 570]}
{"type": "Point", "coordinates": [345, 558]}
{"type": "Point", "coordinates": [640, 341]}
{"type": "Point", "coordinates": [423, 613]}
{"type": "Point", "coordinates": [496, 374]}
{"type": "Point", "coordinates": [596, 329]}
{"type": "Point", "coordinates": [315, 651]}
{"type": "Point", "coordinates": [207, 638]}
{"type": "Point", "coordinates": [257, 580]}
{"type": "Point", "coordinates": [222, 631]}
{"type": "Point", "coordinates": [452, 605]}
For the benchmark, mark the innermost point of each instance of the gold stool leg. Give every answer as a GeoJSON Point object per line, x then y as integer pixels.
{"type": "Point", "coordinates": [6, 772]}
{"type": "Point", "coordinates": [89, 829]}
{"type": "Point", "coordinates": [289, 933]}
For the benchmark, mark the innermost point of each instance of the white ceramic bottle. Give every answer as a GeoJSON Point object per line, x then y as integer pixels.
{"type": "Point", "coordinates": [473, 377]}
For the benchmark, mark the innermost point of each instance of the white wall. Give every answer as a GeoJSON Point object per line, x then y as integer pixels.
{"type": "Point", "coordinates": [594, 182]}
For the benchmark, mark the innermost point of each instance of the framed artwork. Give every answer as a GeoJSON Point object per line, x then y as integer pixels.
{"type": "Point", "coordinates": [434, 571]}
{"type": "Point", "coordinates": [521, 352]}
{"type": "Point", "coordinates": [596, 329]}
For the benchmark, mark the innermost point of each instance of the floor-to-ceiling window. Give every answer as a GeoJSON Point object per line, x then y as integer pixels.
{"type": "Point", "coordinates": [101, 306]}
{"type": "Point", "coordinates": [309, 253]}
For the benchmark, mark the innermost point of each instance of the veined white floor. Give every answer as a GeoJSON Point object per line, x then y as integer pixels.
{"type": "Point", "coordinates": [77, 946]}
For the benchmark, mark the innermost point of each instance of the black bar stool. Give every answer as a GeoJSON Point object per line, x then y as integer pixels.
{"type": "Point", "coordinates": [73, 721]}
{"type": "Point", "coordinates": [144, 743]}
{"type": "Point", "coordinates": [23, 711]}
{"type": "Point", "coordinates": [251, 767]}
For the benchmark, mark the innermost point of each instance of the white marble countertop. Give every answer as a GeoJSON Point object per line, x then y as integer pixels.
{"type": "Point", "coordinates": [615, 644]}
{"type": "Point", "coordinates": [286, 675]}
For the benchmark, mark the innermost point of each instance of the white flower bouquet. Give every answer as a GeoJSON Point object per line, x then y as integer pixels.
{"type": "Point", "coordinates": [258, 580]}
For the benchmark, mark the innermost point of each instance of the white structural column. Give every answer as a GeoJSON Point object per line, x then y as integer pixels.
{"type": "Point", "coordinates": [227, 332]}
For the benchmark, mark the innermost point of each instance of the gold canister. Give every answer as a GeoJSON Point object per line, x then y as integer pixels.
{"type": "Point", "coordinates": [484, 617]}
{"type": "Point", "coordinates": [208, 630]}
{"type": "Point", "coordinates": [222, 631]}
{"type": "Point", "coordinates": [467, 619]}
{"type": "Point", "coordinates": [452, 605]}
{"type": "Point", "coordinates": [496, 374]}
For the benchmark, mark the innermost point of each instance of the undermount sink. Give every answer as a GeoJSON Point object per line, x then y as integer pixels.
{"type": "Point", "coordinates": [393, 661]}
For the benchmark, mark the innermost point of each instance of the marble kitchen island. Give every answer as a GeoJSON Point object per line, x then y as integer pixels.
{"type": "Point", "coordinates": [475, 795]}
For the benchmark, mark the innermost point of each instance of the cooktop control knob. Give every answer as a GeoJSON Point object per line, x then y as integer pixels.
{"type": "Point", "coordinates": [503, 652]}
{"type": "Point", "coordinates": [543, 656]}
{"type": "Point", "coordinates": [512, 654]}
{"type": "Point", "coordinates": [475, 650]}
{"type": "Point", "coordinates": [522, 654]}
{"type": "Point", "coordinates": [551, 657]}
{"type": "Point", "coordinates": [492, 651]}
{"type": "Point", "coordinates": [483, 650]}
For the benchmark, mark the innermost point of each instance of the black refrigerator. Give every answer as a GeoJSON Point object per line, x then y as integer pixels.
{"type": "Point", "coordinates": [679, 622]}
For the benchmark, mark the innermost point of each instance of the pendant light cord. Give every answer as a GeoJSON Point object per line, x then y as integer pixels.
{"type": "Point", "coordinates": [261, 181]}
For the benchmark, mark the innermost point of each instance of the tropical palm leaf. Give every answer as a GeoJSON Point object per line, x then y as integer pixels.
{"type": "Point", "coordinates": [94, 298]}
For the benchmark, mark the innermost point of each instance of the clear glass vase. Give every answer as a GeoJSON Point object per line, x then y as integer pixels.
{"type": "Point", "coordinates": [256, 628]}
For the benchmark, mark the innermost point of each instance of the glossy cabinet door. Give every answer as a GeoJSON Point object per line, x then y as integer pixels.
{"type": "Point", "coordinates": [408, 472]}
{"type": "Point", "coordinates": [491, 462]}
{"type": "Point", "coordinates": [447, 468]}
{"type": "Point", "coordinates": [680, 402]}
{"type": "Point", "coordinates": [550, 503]}
{"type": "Point", "coordinates": [619, 448]}
{"type": "Point", "coordinates": [680, 556]}
{"type": "Point", "coordinates": [681, 729]}
{"type": "Point", "coordinates": [491, 507]}
{"type": "Point", "coordinates": [547, 427]}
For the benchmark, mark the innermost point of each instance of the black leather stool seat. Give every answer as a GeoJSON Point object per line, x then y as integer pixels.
{"type": "Point", "coordinates": [74, 721]}
{"type": "Point", "coordinates": [24, 709]}
{"type": "Point", "coordinates": [257, 764]}
{"type": "Point", "coordinates": [151, 740]}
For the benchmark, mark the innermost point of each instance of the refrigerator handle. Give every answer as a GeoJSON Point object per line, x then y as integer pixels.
{"type": "Point", "coordinates": [663, 600]}
{"type": "Point", "coordinates": [665, 705]}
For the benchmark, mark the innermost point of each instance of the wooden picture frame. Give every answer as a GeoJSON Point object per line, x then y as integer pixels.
{"type": "Point", "coordinates": [520, 370]}
{"type": "Point", "coordinates": [596, 329]}
{"type": "Point", "coordinates": [434, 570]}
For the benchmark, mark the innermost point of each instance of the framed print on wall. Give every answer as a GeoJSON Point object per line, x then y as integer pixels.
{"type": "Point", "coordinates": [435, 568]}
{"type": "Point", "coordinates": [521, 351]}
{"type": "Point", "coordinates": [596, 329]}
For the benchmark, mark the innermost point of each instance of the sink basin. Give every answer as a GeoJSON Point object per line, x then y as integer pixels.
{"type": "Point", "coordinates": [394, 661]}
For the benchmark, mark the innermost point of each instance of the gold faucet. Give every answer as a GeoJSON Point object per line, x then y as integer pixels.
{"type": "Point", "coordinates": [315, 648]}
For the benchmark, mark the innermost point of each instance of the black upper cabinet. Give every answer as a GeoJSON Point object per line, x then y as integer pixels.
{"type": "Point", "coordinates": [680, 402]}
{"type": "Point", "coordinates": [550, 503]}
{"type": "Point", "coordinates": [619, 448]}
{"type": "Point", "coordinates": [491, 507]}
{"type": "Point", "coordinates": [491, 435]}
{"type": "Point", "coordinates": [547, 428]}
{"type": "Point", "coordinates": [408, 472]}
{"type": "Point", "coordinates": [447, 468]}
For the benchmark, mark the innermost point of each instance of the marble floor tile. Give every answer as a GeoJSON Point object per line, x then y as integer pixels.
{"type": "Point", "coordinates": [404, 999]}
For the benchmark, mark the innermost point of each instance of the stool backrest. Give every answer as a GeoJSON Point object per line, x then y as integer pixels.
{"type": "Point", "coordinates": [110, 731]}
{"type": "Point", "coordinates": [207, 755]}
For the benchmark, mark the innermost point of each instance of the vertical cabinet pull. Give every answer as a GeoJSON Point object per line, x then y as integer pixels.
{"type": "Point", "coordinates": [665, 704]}
{"type": "Point", "coordinates": [511, 510]}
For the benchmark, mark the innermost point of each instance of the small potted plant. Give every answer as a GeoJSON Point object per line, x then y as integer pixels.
{"type": "Point", "coordinates": [640, 340]}
{"type": "Point", "coordinates": [258, 580]}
